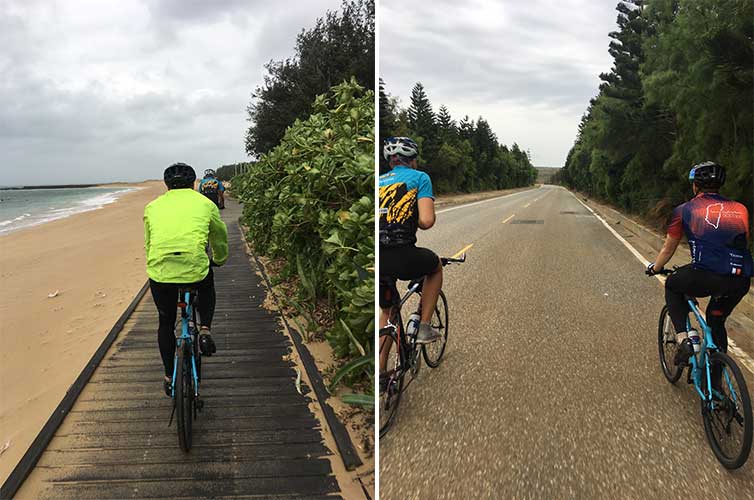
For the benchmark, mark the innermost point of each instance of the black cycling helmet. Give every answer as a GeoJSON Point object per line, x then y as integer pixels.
{"type": "Point", "coordinates": [402, 146]}
{"type": "Point", "coordinates": [708, 175]}
{"type": "Point", "coordinates": [209, 173]}
{"type": "Point", "coordinates": [179, 175]}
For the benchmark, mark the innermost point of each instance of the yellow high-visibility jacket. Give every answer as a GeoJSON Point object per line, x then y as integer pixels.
{"type": "Point", "coordinates": [177, 226]}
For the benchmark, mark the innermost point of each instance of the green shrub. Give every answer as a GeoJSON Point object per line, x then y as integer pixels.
{"type": "Point", "coordinates": [310, 201]}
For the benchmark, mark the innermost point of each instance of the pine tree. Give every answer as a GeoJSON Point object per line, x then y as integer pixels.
{"type": "Point", "coordinates": [388, 120]}
{"type": "Point", "coordinates": [445, 123]}
{"type": "Point", "coordinates": [420, 114]}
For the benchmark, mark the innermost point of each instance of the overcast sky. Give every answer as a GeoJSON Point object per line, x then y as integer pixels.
{"type": "Point", "coordinates": [527, 66]}
{"type": "Point", "coordinates": [99, 91]}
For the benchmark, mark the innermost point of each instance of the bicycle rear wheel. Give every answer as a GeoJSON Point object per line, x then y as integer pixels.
{"type": "Point", "coordinates": [391, 381]}
{"type": "Point", "coordinates": [667, 346]}
{"type": "Point", "coordinates": [728, 419]}
{"type": "Point", "coordinates": [184, 396]}
{"type": "Point", "coordinates": [433, 352]}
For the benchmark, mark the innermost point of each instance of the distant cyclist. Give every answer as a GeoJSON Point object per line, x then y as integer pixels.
{"type": "Point", "coordinates": [177, 227]}
{"type": "Point", "coordinates": [211, 187]}
{"type": "Point", "coordinates": [407, 204]}
{"type": "Point", "coordinates": [721, 265]}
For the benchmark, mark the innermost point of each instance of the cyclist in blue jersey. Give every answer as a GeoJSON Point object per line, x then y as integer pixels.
{"type": "Point", "coordinates": [721, 265]}
{"type": "Point", "coordinates": [212, 188]}
{"type": "Point", "coordinates": [407, 204]}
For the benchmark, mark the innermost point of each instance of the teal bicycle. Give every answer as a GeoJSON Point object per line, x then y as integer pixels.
{"type": "Point", "coordinates": [187, 369]}
{"type": "Point", "coordinates": [725, 400]}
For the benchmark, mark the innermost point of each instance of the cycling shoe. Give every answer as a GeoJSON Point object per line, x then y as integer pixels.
{"type": "Point", "coordinates": [206, 344]}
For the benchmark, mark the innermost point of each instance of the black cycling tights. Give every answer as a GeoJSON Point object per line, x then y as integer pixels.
{"type": "Point", "coordinates": [165, 297]}
{"type": "Point", "coordinates": [726, 291]}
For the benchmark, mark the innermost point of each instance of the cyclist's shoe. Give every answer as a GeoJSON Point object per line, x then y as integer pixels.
{"type": "Point", "coordinates": [684, 352]}
{"type": "Point", "coordinates": [168, 386]}
{"type": "Point", "coordinates": [427, 334]}
{"type": "Point", "coordinates": [206, 344]}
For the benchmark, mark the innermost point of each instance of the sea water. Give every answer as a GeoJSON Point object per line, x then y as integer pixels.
{"type": "Point", "coordinates": [20, 208]}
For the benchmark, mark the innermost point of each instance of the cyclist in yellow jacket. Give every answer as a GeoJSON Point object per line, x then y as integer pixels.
{"type": "Point", "coordinates": [177, 227]}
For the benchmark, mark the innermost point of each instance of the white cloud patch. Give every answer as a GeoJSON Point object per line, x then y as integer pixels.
{"type": "Point", "coordinates": [529, 68]}
{"type": "Point", "coordinates": [98, 91]}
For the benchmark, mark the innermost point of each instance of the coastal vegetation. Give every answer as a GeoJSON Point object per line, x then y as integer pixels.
{"type": "Point", "coordinates": [460, 156]}
{"type": "Point", "coordinates": [309, 194]}
{"type": "Point", "coordinates": [680, 92]}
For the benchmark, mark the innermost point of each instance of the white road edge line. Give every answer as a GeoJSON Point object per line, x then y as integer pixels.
{"type": "Point", "coordinates": [482, 201]}
{"type": "Point", "coordinates": [509, 218]}
{"type": "Point", "coordinates": [741, 355]}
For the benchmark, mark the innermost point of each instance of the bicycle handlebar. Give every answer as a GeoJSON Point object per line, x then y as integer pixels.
{"type": "Point", "coordinates": [450, 260]}
{"type": "Point", "coordinates": [664, 272]}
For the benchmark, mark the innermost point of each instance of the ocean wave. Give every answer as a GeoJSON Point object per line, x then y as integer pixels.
{"type": "Point", "coordinates": [51, 214]}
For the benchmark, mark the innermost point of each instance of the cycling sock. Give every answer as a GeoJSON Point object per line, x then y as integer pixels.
{"type": "Point", "coordinates": [681, 336]}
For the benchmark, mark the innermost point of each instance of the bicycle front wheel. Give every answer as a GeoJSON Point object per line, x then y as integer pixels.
{"type": "Point", "coordinates": [433, 352]}
{"type": "Point", "coordinates": [727, 418]}
{"type": "Point", "coordinates": [184, 396]}
{"type": "Point", "coordinates": [668, 346]}
{"type": "Point", "coordinates": [391, 379]}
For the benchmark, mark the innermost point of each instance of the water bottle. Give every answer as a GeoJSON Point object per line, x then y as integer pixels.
{"type": "Point", "coordinates": [412, 326]}
{"type": "Point", "coordinates": [695, 341]}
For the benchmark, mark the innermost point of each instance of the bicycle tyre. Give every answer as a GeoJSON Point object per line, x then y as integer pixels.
{"type": "Point", "coordinates": [671, 371]}
{"type": "Point", "coordinates": [390, 395]}
{"type": "Point", "coordinates": [184, 396]}
{"type": "Point", "coordinates": [738, 457]}
{"type": "Point", "coordinates": [433, 352]}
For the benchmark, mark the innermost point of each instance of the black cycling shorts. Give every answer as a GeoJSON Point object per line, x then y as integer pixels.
{"type": "Point", "coordinates": [403, 263]}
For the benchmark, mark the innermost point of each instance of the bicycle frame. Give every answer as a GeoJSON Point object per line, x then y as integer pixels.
{"type": "Point", "coordinates": [701, 359]}
{"type": "Point", "coordinates": [187, 314]}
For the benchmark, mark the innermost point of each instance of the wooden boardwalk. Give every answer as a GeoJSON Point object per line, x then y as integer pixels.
{"type": "Point", "coordinates": [255, 437]}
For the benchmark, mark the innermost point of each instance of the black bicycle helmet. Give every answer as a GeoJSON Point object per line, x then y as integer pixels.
{"type": "Point", "coordinates": [210, 173]}
{"type": "Point", "coordinates": [179, 175]}
{"type": "Point", "coordinates": [707, 175]}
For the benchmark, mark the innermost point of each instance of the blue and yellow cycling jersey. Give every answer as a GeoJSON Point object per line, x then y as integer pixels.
{"type": "Point", "coordinates": [400, 191]}
{"type": "Point", "coordinates": [210, 185]}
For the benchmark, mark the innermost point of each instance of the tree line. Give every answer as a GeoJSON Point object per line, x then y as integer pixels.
{"type": "Point", "coordinates": [680, 92]}
{"type": "Point", "coordinates": [462, 156]}
{"type": "Point", "coordinates": [339, 46]}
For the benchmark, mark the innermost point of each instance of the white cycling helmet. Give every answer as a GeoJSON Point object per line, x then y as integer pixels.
{"type": "Point", "coordinates": [404, 146]}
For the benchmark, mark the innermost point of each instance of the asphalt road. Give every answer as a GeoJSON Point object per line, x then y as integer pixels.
{"type": "Point", "coordinates": [550, 387]}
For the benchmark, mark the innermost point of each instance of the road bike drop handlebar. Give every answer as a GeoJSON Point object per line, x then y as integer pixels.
{"type": "Point", "coordinates": [450, 260]}
{"type": "Point", "coordinates": [664, 272]}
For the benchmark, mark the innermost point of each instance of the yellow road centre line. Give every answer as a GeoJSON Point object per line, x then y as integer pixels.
{"type": "Point", "coordinates": [461, 251]}
{"type": "Point", "coordinates": [509, 218]}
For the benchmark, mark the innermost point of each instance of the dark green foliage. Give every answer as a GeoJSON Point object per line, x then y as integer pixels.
{"type": "Point", "coordinates": [310, 201]}
{"type": "Point", "coordinates": [226, 172]}
{"type": "Point", "coordinates": [338, 47]}
{"type": "Point", "coordinates": [461, 157]}
{"type": "Point", "coordinates": [388, 120]}
{"type": "Point", "coordinates": [680, 92]}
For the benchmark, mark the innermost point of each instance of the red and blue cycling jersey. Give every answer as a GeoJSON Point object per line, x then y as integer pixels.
{"type": "Point", "coordinates": [718, 232]}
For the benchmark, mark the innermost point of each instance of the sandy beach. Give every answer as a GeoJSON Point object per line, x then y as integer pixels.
{"type": "Point", "coordinates": [95, 260]}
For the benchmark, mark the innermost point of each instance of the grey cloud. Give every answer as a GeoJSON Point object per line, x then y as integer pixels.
{"type": "Point", "coordinates": [541, 55]}
{"type": "Point", "coordinates": [89, 96]}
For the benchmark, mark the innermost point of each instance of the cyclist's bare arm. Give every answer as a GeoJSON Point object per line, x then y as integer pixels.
{"type": "Point", "coordinates": [667, 251]}
{"type": "Point", "coordinates": [426, 213]}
